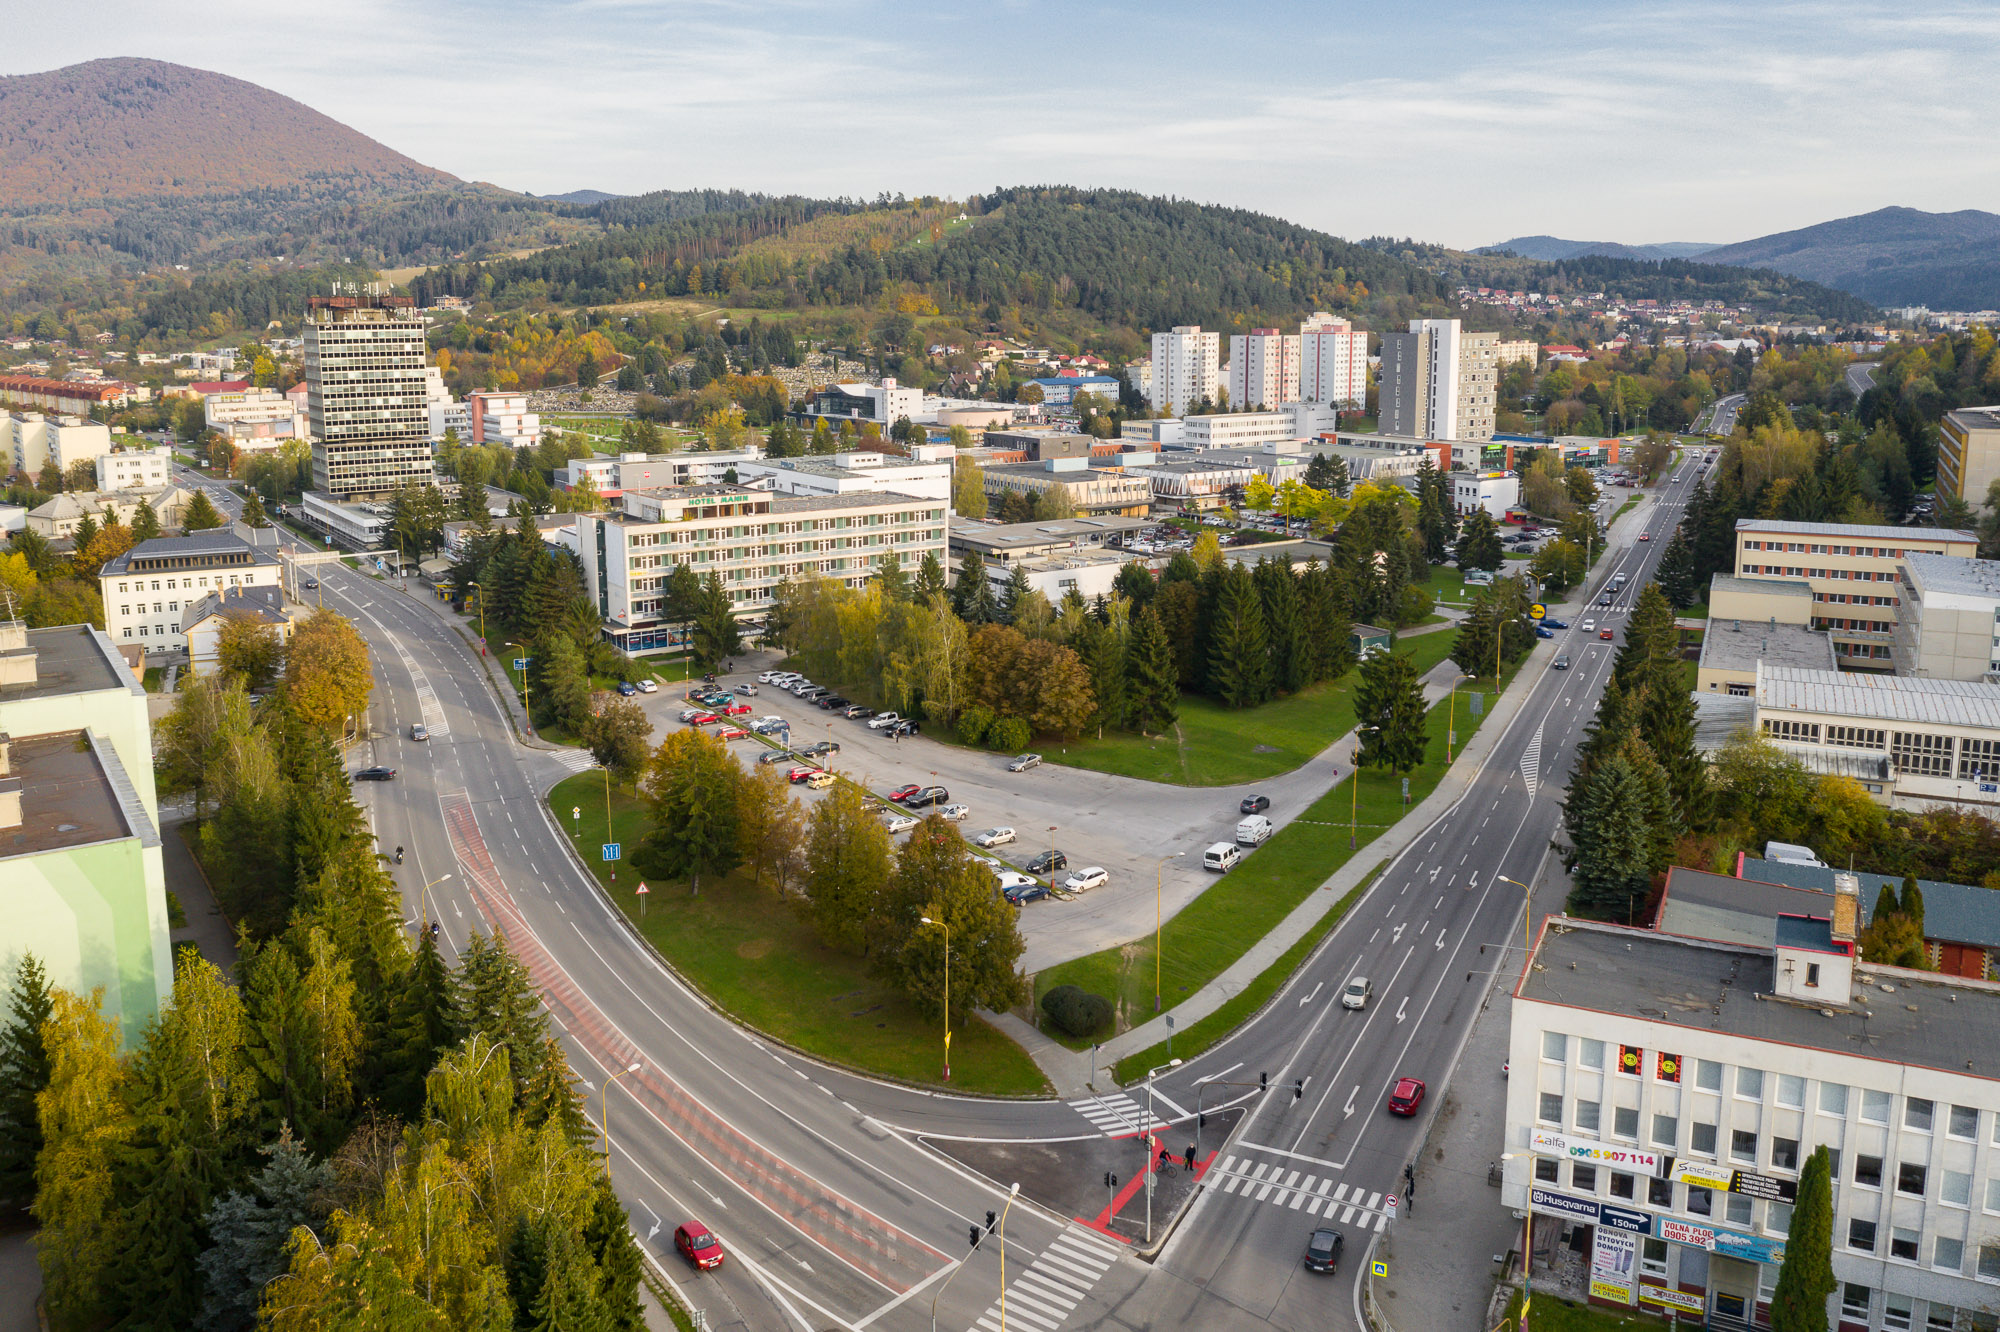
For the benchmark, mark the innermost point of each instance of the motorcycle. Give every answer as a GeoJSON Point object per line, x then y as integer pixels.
{"type": "Point", "coordinates": [399, 855]}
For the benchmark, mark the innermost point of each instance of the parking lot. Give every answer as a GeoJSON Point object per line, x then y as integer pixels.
{"type": "Point", "coordinates": [1126, 826]}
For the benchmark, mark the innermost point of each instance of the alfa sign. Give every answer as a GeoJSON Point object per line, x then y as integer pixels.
{"type": "Point", "coordinates": [1601, 1153]}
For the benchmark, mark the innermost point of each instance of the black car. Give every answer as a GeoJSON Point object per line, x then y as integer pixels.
{"type": "Point", "coordinates": [1255, 804]}
{"type": "Point", "coordinates": [1023, 893]}
{"type": "Point", "coordinates": [1047, 863]}
{"type": "Point", "coordinates": [930, 795]}
{"type": "Point", "coordinates": [375, 775]}
{"type": "Point", "coordinates": [820, 747]}
{"type": "Point", "coordinates": [776, 756]}
{"type": "Point", "coordinates": [1561, 663]}
{"type": "Point", "coordinates": [832, 701]}
{"type": "Point", "coordinates": [1323, 1250]}
{"type": "Point", "coordinates": [905, 728]}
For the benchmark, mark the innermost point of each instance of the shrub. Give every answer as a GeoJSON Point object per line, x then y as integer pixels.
{"type": "Point", "coordinates": [973, 724]}
{"type": "Point", "coordinates": [1008, 735]}
{"type": "Point", "coordinates": [1075, 1011]}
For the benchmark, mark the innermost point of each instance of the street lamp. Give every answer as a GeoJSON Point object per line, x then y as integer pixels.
{"type": "Point", "coordinates": [430, 907]}
{"type": "Point", "coordinates": [1148, 1135]}
{"type": "Point", "coordinates": [604, 1111]}
{"type": "Point", "coordinates": [1013, 1192]}
{"type": "Point", "coordinates": [1159, 882]}
{"type": "Point", "coordinates": [482, 615]}
{"type": "Point", "coordinates": [947, 990]}
{"type": "Point", "coordinates": [526, 715]}
{"type": "Point", "coordinates": [1527, 914]}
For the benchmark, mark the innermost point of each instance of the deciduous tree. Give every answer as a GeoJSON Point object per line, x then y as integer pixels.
{"type": "Point", "coordinates": [935, 877]}
{"type": "Point", "coordinates": [327, 678]}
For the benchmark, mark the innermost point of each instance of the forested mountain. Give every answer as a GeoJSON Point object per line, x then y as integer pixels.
{"type": "Point", "coordinates": [1892, 256]}
{"type": "Point", "coordinates": [1554, 247]}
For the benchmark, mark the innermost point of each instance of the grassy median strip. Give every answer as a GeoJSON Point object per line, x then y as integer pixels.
{"type": "Point", "coordinates": [1240, 1007]}
{"type": "Point", "coordinates": [753, 957]}
{"type": "Point", "coordinates": [1206, 936]}
{"type": "Point", "coordinates": [1212, 745]}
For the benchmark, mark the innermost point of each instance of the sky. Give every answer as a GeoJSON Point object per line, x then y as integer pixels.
{"type": "Point", "coordinates": [1459, 123]}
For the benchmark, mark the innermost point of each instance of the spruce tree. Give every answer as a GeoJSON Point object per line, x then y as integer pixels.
{"type": "Point", "coordinates": [1676, 573]}
{"type": "Point", "coordinates": [972, 596]}
{"type": "Point", "coordinates": [1806, 1280]}
{"type": "Point", "coordinates": [889, 575]}
{"type": "Point", "coordinates": [199, 516]}
{"type": "Point", "coordinates": [1389, 714]}
{"type": "Point", "coordinates": [494, 998]}
{"type": "Point", "coordinates": [1152, 681]}
{"type": "Point", "coordinates": [24, 1073]}
{"type": "Point", "coordinates": [146, 519]}
{"type": "Point", "coordinates": [1103, 651]}
{"type": "Point", "coordinates": [1014, 594]}
{"type": "Point", "coordinates": [1478, 543]}
{"type": "Point", "coordinates": [1239, 653]}
{"type": "Point", "coordinates": [1611, 836]}
{"type": "Point", "coordinates": [421, 1028]}
{"type": "Point", "coordinates": [248, 1231]}
{"type": "Point", "coordinates": [1284, 625]}
{"type": "Point", "coordinates": [1476, 644]}
{"type": "Point", "coordinates": [930, 579]}
{"type": "Point", "coordinates": [1666, 724]}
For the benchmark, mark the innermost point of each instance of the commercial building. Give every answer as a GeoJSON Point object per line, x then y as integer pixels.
{"type": "Point", "coordinates": [1940, 738]}
{"type": "Point", "coordinates": [1039, 443]}
{"type": "Point", "coordinates": [80, 853]}
{"type": "Point", "coordinates": [30, 440]}
{"type": "Point", "coordinates": [250, 417]}
{"type": "Point", "coordinates": [858, 472]}
{"type": "Point", "coordinates": [1092, 491]}
{"type": "Point", "coordinates": [146, 589]}
{"type": "Point", "coordinates": [1333, 362]}
{"type": "Point", "coordinates": [1088, 573]}
{"type": "Point", "coordinates": [367, 396]}
{"type": "Point", "coordinates": [1201, 485]}
{"type": "Point", "coordinates": [1438, 381]}
{"type": "Point", "coordinates": [1061, 390]}
{"type": "Point", "coordinates": [1948, 627]}
{"type": "Point", "coordinates": [1233, 430]}
{"type": "Point", "coordinates": [135, 469]}
{"type": "Point", "coordinates": [1851, 569]}
{"type": "Point", "coordinates": [751, 539]}
{"type": "Point", "coordinates": [1968, 453]}
{"type": "Point", "coordinates": [613, 475]}
{"type": "Point", "coordinates": [1186, 369]}
{"type": "Point", "coordinates": [1263, 368]}
{"type": "Point", "coordinates": [504, 419]}
{"type": "Point", "coordinates": [1495, 492]}
{"type": "Point", "coordinates": [1003, 543]}
{"type": "Point", "coordinates": [1666, 1091]}
{"type": "Point", "coordinates": [884, 404]}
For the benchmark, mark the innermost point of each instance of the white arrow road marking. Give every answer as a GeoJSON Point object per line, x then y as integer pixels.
{"type": "Point", "coordinates": [1441, 935]}
{"type": "Point", "coordinates": [1401, 1007]}
{"type": "Point", "coordinates": [1309, 998]}
{"type": "Point", "coordinates": [1350, 1102]}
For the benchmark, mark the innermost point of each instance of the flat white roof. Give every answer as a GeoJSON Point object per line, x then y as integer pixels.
{"type": "Point", "coordinates": [1898, 535]}
{"type": "Point", "coordinates": [1892, 698]}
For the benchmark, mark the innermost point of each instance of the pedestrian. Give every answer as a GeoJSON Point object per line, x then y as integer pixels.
{"type": "Point", "coordinates": [1188, 1160]}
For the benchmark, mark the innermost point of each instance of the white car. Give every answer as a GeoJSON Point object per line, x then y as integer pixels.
{"type": "Point", "coordinates": [1016, 879]}
{"type": "Point", "coordinates": [1357, 994]}
{"type": "Point", "coordinates": [882, 721]}
{"type": "Point", "coordinates": [896, 821]}
{"type": "Point", "coordinates": [1085, 879]}
{"type": "Point", "coordinates": [1589, 626]}
{"type": "Point", "coordinates": [954, 813]}
{"type": "Point", "coordinates": [770, 677]}
{"type": "Point", "coordinates": [649, 686]}
{"type": "Point", "coordinates": [993, 837]}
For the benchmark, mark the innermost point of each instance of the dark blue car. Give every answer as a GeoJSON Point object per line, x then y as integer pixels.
{"type": "Point", "coordinates": [1023, 893]}
{"type": "Point", "coordinates": [1543, 631]}
{"type": "Point", "coordinates": [627, 688]}
{"type": "Point", "coordinates": [1553, 623]}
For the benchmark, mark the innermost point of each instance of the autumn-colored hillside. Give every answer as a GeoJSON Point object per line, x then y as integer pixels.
{"type": "Point", "coordinates": [130, 128]}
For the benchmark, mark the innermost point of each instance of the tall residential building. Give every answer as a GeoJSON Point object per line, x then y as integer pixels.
{"type": "Point", "coordinates": [80, 852]}
{"type": "Point", "coordinates": [504, 418]}
{"type": "Point", "coordinates": [1506, 353]}
{"type": "Point", "coordinates": [1187, 367]}
{"type": "Point", "coordinates": [1439, 381]}
{"type": "Point", "coordinates": [29, 439]}
{"type": "Point", "coordinates": [368, 397]}
{"type": "Point", "coordinates": [1968, 456]}
{"type": "Point", "coordinates": [1263, 368]}
{"type": "Point", "coordinates": [1333, 361]}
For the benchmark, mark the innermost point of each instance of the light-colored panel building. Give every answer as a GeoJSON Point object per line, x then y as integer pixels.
{"type": "Point", "coordinates": [1968, 455]}
{"type": "Point", "coordinates": [1186, 367]}
{"type": "Point", "coordinates": [1438, 381]}
{"type": "Point", "coordinates": [1263, 368]}
{"type": "Point", "coordinates": [135, 469]}
{"type": "Point", "coordinates": [147, 589]}
{"type": "Point", "coordinates": [1732, 650]}
{"type": "Point", "coordinates": [29, 439]}
{"type": "Point", "coordinates": [1948, 627]}
{"type": "Point", "coordinates": [1506, 353]}
{"type": "Point", "coordinates": [1333, 361]}
{"type": "Point", "coordinates": [1093, 491]}
{"type": "Point", "coordinates": [1941, 737]}
{"type": "Point", "coordinates": [368, 396]}
{"type": "Point", "coordinates": [1851, 569]}
{"type": "Point", "coordinates": [1773, 600]}
{"type": "Point", "coordinates": [855, 473]}
{"type": "Point", "coordinates": [1495, 492]}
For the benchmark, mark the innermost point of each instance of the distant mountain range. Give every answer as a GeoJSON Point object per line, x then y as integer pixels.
{"type": "Point", "coordinates": [579, 197]}
{"type": "Point", "coordinates": [1892, 256]}
{"type": "Point", "coordinates": [1554, 247]}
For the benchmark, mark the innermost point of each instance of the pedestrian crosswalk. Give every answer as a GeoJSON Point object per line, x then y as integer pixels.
{"type": "Point", "coordinates": [1044, 1294]}
{"type": "Point", "coordinates": [1117, 1114]}
{"type": "Point", "coordinates": [1312, 1194]}
{"type": "Point", "coordinates": [576, 760]}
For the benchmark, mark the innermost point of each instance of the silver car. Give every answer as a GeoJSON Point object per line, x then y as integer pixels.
{"type": "Point", "coordinates": [1025, 762]}
{"type": "Point", "coordinates": [897, 822]}
{"type": "Point", "coordinates": [992, 837]}
{"type": "Point", "coordinates": [954, 813]}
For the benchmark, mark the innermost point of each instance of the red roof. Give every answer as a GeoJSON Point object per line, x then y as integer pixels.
{"type": "Point", "coordinates": [208, 387]}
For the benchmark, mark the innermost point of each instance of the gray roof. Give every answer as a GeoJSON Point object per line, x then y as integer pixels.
{"type": "Point", "coordinates": [218, 543]}
{"type": "Point", "coordinates": [1761, 587]}
{"type": "Point", "coordinates": [1953, 912]}
{"type": "Point", "coordinates": [1008, 536]}
{"type": "Point", "coordinates": [1810, 932]}
{"type": "Point", "coordinates": [1738, 645]}
{"type": "Point", "coordinates": [1955, 574]}
{"type": "Point", "coordinates": [1976, 418]}
{"type": "Point", "coordinates": [861, 499]}
{"type": "Point", "coordinates": [72, 659]}
{"type": "Point", "coordinates": [1718, 717]}
{"type": "Point", "coordinates": [1892, 698]}
{"type": "Point", "coordinates": [263, 603]}
{"type": "Point", "coordinates": [1928, 1021]}
{"type": "Point", "coordinates": [1837, 531]}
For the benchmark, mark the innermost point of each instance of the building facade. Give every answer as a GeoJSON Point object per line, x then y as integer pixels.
{"type": "Point", "coordinates": [1439, 381]}
{"type": "Point", "coordinates": [1968, 454]}
{"type": "Point", "coordinates": [135, 469]}
{"type": "Point", "coordinates": [857, 472]}
{"type": "Point", "coordinates": [751, 539]}
{"type": "Point", "coordinates": [1948, 627]}
{"type": "Point", "coordinates": [884, 404]}
{"type": "Point", "coordinates": [30, 440]}
{"type": "Point", "coordinates": [1495, 492]}
{"type": "Point", "coordinates": [1186, 368]}
{"type": "Point", "coordinates": [504, 419]}
{"type": "Point", "coordinates": [1923, 742]}
{"type": "Point", "coordinates": [254, 415]}
{"type": "Point", "coordinates": [1509, 353]}
{"type": "Point", "coordinates": [614, 475]}
{"type": "Point", "coordinates": [1333, 362]}
{"type": "Point", "coordinates": [67, 396]}
{"type": "Point", "coordinates": [367, 395]}
{"type": "Point", "coordinates": [1263, 368]}
{"type": "Point", "coordinates": [146, 589]}
{"type": "Point", "coordinates": [1852, 570]}
{"type": "Point", "coordinates": [1092, 491]}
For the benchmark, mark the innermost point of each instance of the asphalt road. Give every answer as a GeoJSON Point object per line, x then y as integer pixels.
{"type": "Point", "coordinates": [1722, 415]}
{"type": "Point", "coordinates": [834, 1212]}
{"type": "Point", "coordinates": [1861, 377]}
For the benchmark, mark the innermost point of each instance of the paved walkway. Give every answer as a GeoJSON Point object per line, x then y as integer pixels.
{"type": "Point", "coordinates": [207, 928]}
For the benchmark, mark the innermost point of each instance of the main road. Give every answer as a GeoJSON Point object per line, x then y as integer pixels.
{"type": "Point", "coordinates": [829, 1189]}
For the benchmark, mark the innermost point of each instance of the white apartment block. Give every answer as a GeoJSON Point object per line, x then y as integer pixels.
{"type": "Point", "coordinates": [613, 476]}
{"type": "Point", "coordinates": [135, 469]}
{"type": "Point", "coordinates": [1852, 569]}
{"type": "Point", "coordinates": [254, 415]}
{"type": "Point", "coordinates": [367, 394]}
{"type": "Point", "coordinates": [1333, 361]}
{"type": "Point", "coordinates": [1948, 627]}
{"type": "Point", "coordinates": [1439, 381]}
{"type": "Point", "coordinates": [29, 439]}
{"type": "Point", "coordinates": [1665, 1092]}
{"type": "Point", "coordinates": [751, 539]}
{"type": "Point", "coordinates": [504, 418]}
{"type": "Point", "coordinates": [1524, 349]}
{"type": "Point", "coordinates": [1187, 367]}
{"type": "Point", "coordinates": [445, 412]}
{"type": "Point", "coordinates": [1495, 492]}
{"type": "Point", "coordinates": [1235, 430]}
{"type": "Point", "coordinates": [146, 588]}
{"type": "Point", "coordinates": [1263, 368]}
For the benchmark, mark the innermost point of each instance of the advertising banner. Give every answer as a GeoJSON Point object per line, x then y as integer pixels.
{"type": "Point", "coordinates": [1614, 1255]}
{"type": "Point", "coordinates": [1668, 1298]}
{"type": "Point", "coordinates": [1562, 1204]}
{"type": "Point", "coordinates": [1728, 1243]}
{"type": "Point", "coordinates": [1604, 1288]}
{"type": "Point", "coordinates": [1598, 1153]}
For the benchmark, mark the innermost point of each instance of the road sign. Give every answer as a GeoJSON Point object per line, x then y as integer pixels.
{"type": "Point", "coordinates": [1389, 1204]}
{"type": "Point", "coordinates": [521, 663]}
{"type": "Point", "coordinates": [611, 850]}
{"type": "Point", "coordinates": [576, 811]}
{"type": "Point", "coordinates": [1378, 1268]}
{"type": "Point", "coordinates": [1538, 610]}
{"type": "Point", "coordinates": [642, 890]}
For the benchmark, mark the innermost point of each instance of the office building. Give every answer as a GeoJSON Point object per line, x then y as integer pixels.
{"type": "Point", "coordinates": [1495, 492]}
{"type": "Point", "coordinates": [30, 440]}
{"type": "Point", "coordinates": [1002, 543]}
{"type": "Point", "coordinates": [613, 475]}
{"type": "Point", "coordinates": [445, 412]}
{"type": "Point", "coordinates": [503, 419]}
{"type": "Point", "coordinates": [254, 417]}
{"type": "Point", "coordinates": [1732, 650]}
{"type": "Point", "coordinates": [1666, 1090]}
{"type": "Point", "coordinates": [1186, 369]}
{"type": "Point", "coordinates": [1092, 491]}
{"type": "Point", "coordinates": [858, 472]}
{"type": "Point", "coordinates": [1852, 570]}
{"type": "Point", "coordinates": [80, 854]}
{"type": "Point", "coordinates": [751, 539]}
{"type": "Point", "coordinates": [1061, 390]}
{"type": "Point", "coordinates": [881, 404]}
{"type": "Point", "coordinates": [367, 396]}
{"type": "Point", "coordinates": [135, 469]}
{"type": "Point", "coordinates": [1912, 742]}
{"type": "Point", "coordinates": [1968, 453]}
{"type": "Point", "coordinates": [1333, 362]}
{"type": "Point", "coordinates": [1234, 430]}
{"type": "Point", "coordinates": [1948, 627]}
{"type": "Point", "coordinates": [146, 589]}
{"type": "Point", "coordinates": [1439, 381]}
{"type": "Point", "coordinates": [1263, 368]}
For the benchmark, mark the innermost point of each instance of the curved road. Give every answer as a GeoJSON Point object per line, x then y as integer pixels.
{"type": "Point", "coordinates": [835, 1207]}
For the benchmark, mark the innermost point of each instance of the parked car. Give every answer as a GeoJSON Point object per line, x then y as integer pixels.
{"type": "Point", "coordinates": [831, 701]}
{"type": "Point", "coordinates": [375, 775]}
{"type": "Point", "coordinates": [777, 756]}
{"type": "Point", "coordinates": [419, 731]}
{"type": "Point", "coordinates": [1358, 992]}
{"type": "Point", "coordinates": [1255, 804]}
{"type": "Point", "coordinates": [698, 1246]}
{"type": "Point", "coordinates": [651, 686]}
{"type": "Point", "coordinates": [769, 677]}
{"type": "Point", "coordinates": [882, 721]}
{"type": "Point", "coordinates": [1553, 623]}
{"type": "Point", "coordinates": [819, 747]}
{"type": "Point", "coordinates": [738, 710]}
{"type": "Point", "coordinates": [627, 689]}
{"type": "Point", "coordinates": [748, 690]}
{"type": "Point", "coordinates": [1222, 857]}
{"type": "Point", "coordinates": [1022, 890]}
{"type": "Point", "coordinates": [766, 725]}
{"type": "Point", "coordinates": [856, 711]}
{"type": "Point", "coordinates": [702, 719]}
{"type": "Point", "coordinates": [930, 795]}
{"type": "Point", "coordinates": [896, 821]}
{"type": "Point", "coordinates": [732, 733]}
{"type": "Point", "coordinates": [1083, 880]}
{"type": "Point", "coordinates": [1023, 762]}
{"type": "Point", "coordinates": [1543, 631]}
{"type": "Point", "coordinates": [1407, 1096]}
{"type": "Point", "coordinates": [955, 813]}
{"type": "Point", "coordinates": [687, 715]}
{"type": "Point", "coordinates": [1047, 863]}
{"type": "Point", "coordinates": [989, 838]}
{"type": "Point", "coordinates": [819, 781]}
{"type": "Point", "coordinates": [905, 727]}
{"type": "Point", "coordinates": [1323, 1250]}
{"type": "Point", "coordinates": [797, 775]}
{"type": "Point", "coordinates": [905, 792]}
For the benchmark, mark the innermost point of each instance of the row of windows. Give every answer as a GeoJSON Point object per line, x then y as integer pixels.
{"type": "Point", "coordinates": [1807, 548]}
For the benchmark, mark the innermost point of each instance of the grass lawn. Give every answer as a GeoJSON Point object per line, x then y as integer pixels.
{"type": "Point", "coordinates": [760, 963]}
{"type": "Point", "coordinates": [1553, 1315]}
{"type": "Point", "coordinates": [1216, 746]}
{"type": "Point", "coordinates": [156, 676]}
{"type": "Point", "coordinates": [1244, 905]}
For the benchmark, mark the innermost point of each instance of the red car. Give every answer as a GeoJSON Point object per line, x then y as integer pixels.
{"type": "Point", "coordinates": [905, 792]}
{"type": "Point", "coordinates": [1645, 536]}
{"type": "Point", "coordinates": [698, 1246]}
{"type": "Point", "coordinates": [797, 775]}
{"type": "Point", "coordinates": [1604, 634]}
{"type": "Point", "coordinates": [732, 733]}
{"type": "Point", "coordinates": [1406, 1096]}
{"type": "Point", "coordinates": [703, 719]}
{"type": "Point", "coordinates": [737, 710]}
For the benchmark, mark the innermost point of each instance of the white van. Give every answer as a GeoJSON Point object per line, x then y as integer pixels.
{"type": "Point", "coordinates": [1221, 857]}
{"type": "Point", "coordinates": [1255, 831]}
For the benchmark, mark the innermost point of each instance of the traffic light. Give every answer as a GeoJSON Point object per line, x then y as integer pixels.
{"type": "Point", "coordinates": [1298, 1089]}
{"type": "Point", "coordinates": [992, 1220]}
{"type": "Point", "coordinates": [1110, 1180]}
{"type": "Point", "coordinates": [975, 1236]}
